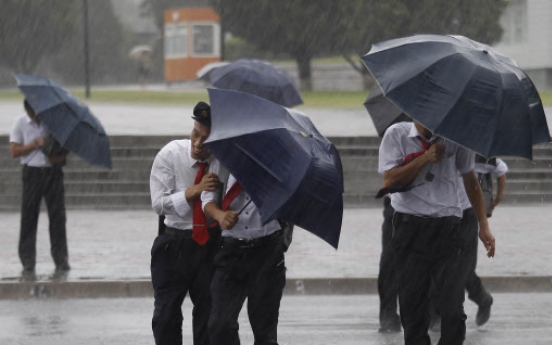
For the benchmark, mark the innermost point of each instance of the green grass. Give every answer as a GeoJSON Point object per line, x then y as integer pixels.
{"type": "Point", "coordinates": [312, 99]}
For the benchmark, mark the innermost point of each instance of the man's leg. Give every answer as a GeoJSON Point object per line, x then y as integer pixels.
{"type": "Point", "coordinates": [54, 196]}
{"type": "Point", "coordinates": [450, 274]}
{"type": "Point", "coordinates": [30, 207]}
{"type": "Point", "coordinates": [171, 270]}
{"type": "Point", "coordinates": [263, 302]}
{"type": "Point", "coordinates": [200, 292]}
{"type": "Point", "coordinates": [412, 253]}
{"type": "Point", "coordinates": [228, 292]}
{"type": "Point", "coordinates": [387, 290]}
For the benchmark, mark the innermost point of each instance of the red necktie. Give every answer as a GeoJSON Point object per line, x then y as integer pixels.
{"type": "Point", "coordinates": [409, 158]}
{"type": "Point", "coordinates": [200, 234]}
{"type": "Point", "coordinates": [234, 191]}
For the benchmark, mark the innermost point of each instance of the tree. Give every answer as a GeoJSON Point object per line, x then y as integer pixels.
{"type": "Point", "coordinates": [34, 29]}
{"type": "Point", "coordinates": [476, 19]}
{"type": "Point", "coordinates": [305, 29]}
{"type": "Point", "coordinates": [302, 29]}
{"type": "Point", "coordinates": [108, 48]}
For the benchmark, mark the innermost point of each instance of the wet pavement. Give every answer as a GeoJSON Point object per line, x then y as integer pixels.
{"type": "Point", "coordinates": [111, 245]}
{"type": "Point", "coordinates": [345, 320]}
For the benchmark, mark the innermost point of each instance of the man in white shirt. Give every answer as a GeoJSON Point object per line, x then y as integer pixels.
{"type": "Point", "coordinates": [426, 240]}
{"type": "Point", "coordinates": [181, 256]}
{"type": "Point", "coordinates": [42, 178]}
{"type": "Point", "coordinates": [249, 264]}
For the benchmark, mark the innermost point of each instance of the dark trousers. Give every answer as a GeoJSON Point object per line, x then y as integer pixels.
{"type": "Point", "coordinates": [387, 288]}
{"type": "Point", "coordinates": [253, 272]}
{"type": "Point", "coordinates": [178, 266]}
{"type": "Point", "coordinates": [474, 286]}
{"type": "Point", "coordinates": [429, 251]}
{"type": "Point", "coordinates": [39, 183]}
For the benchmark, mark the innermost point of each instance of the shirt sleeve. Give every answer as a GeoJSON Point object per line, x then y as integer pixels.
{"type": "Point", "coordinates": [391, 154]}
{"type": "Point", "coordinates": [165, 199]}
{"type": "Point", "coordinates": [501, 168]}
{"type": "Point", "coordinates": [465, 160]}
{"type": "Point", "coordinates": [16, 135]}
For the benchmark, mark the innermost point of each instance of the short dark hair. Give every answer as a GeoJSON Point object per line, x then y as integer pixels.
{"type": "Point", "coordinates": [202, 113]}
{"type": "Point", "coordinates": [28, 107]}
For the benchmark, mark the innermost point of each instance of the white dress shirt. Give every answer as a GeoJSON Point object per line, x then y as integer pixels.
{"type": "Point", "coordinates": [436, 198]}
{"type": "Point", "coordinates": [499, 169]}
{"type": "Point", "coordinates": [173, 172]}
{"type": "Point", "coordinates": [24, 131]}
{"type": "Point", "coordinates": [249, 225]}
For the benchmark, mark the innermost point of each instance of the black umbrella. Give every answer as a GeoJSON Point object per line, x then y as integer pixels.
{"type": "Point", "coordinates": [68, 119]}
{"type": "Point", "coordinates": [288, 168]}
{"type": "Point", "coordinates": [463, 91]}
{"type": "Point", "coordinates": [382, 111]}
{"type": "Point", "coordinates": [258, 78]}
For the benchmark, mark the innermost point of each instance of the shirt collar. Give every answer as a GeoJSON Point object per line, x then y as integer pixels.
{"type": "Point", "coordinates": [413, 133]}
{"type": "Point", "coordinates": [193, 161]}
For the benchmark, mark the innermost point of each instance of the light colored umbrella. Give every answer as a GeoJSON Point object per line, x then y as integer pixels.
{"type": "Point", "coordinates": [137, 51]}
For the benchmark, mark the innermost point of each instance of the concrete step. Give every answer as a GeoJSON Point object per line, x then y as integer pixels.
{"type": "Point", "coordinates": [89, 187]}
{"type": "Point", "coordinates": [88, 200]}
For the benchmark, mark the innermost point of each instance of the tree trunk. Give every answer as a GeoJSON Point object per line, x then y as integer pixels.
{"type": "Point", "coordinates": [304, 69]}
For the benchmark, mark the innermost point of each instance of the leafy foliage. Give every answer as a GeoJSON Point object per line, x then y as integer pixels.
{"type": "Point", "coordinates": [33, 29]}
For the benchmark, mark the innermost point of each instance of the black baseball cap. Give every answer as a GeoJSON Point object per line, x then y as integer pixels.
{"type": "Point", "coordinates": [202, 113]}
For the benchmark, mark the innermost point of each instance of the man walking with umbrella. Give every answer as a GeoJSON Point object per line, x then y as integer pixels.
{"type": "Point", "coordinates": [181, 256]}
{"type": "Point", "coordinates": [426, 241]}
{"type": "Point", "coordinates": [42, 177]}
{"type": "Point", "coordinates": [249, 264]}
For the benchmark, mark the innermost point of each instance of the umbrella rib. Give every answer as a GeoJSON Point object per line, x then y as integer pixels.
{"type": "Point", "coordinates": [261, 164]}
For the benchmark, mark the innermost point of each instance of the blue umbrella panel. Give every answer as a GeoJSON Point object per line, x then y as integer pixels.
{"type": "Point", "coordinates": [288, 168]}
{"type": "Point", "coordinates": [69, 120]}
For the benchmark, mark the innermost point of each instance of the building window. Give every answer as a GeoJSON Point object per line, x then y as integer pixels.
{"type": "Point", "coordinates": [176, 40]}
{"type": "Point", "coordinates": [514, 22]}
{"type": "Point", "coordinates": [206, 42]}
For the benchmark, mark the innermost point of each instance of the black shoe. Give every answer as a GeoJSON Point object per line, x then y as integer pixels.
{"type": "Point", "coordinates": [390, 326]}
{"type": "Point", "coordinates": [61, 273]}
{"type": "Point", "coordinates": [484, 313]}
{"type": "Point", "coordinates": [28, 275]}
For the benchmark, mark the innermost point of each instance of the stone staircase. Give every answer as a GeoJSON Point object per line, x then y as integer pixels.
{"type": "Point", "coordinates": [126, 186]}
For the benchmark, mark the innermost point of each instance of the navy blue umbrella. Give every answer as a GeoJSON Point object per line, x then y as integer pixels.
{"type": "Point", "coordinates": [69, 120]}
{"type": "Point", "coordinates": [288, 168]}
{"type": "Point", "coordinates": [256, 77]}
{"type": "Point", "coordinates": [382, 111]}
{"type": "Point", "coordinates": [461, 90]}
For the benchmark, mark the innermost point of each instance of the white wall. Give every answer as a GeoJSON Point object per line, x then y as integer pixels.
{"type": "Point", "coordinates": [535, 52]}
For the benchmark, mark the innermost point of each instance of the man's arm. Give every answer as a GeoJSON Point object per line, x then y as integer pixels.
{"type": "Point", "coordinates": [209, 182]}
{"type": "Point", "coordinates": [18, 150]}
{"type": "Point", "coordinates": [226, 219]}
{"type": "Point", "coordinates": [501, 185]}
{"type": "Point", "coordinates": [473, 190]}
{"type": "Point", "coordinates": [405, 174]}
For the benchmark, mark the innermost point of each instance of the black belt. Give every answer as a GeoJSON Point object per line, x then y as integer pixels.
{"type": "Point", "coordinates": [250, 243]}
{"type": "Point", "coordinates": [178, 232]}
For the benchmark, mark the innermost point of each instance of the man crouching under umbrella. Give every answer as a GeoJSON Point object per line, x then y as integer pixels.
{"type": "Point", "coordinates": [426, 240]}
{"type": "Point", "coordinates": [249, 264]}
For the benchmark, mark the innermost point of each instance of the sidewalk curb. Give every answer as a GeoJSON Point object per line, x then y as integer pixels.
{"type": "Point", "coordinates": [317, 286]}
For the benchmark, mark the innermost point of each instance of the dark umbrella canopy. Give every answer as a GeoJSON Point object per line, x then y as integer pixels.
{"type": "Point", "coordinates": [288, 168]}
{"type": "Point", "coordinates": [258, 78]}
{"type": "Point", "coordinates": [461, 90]}
{"type": "Point", "coordinates": [382, 111]}
{"type": "Point", "coordinates": [68, 119]}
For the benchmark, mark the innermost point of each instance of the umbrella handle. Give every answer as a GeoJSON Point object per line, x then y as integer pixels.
{"type": "Point", "coordinates": [243, 208]}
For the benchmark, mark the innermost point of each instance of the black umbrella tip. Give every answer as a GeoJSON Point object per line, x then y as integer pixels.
{"type": "Point", "coordinates": [202, 113]}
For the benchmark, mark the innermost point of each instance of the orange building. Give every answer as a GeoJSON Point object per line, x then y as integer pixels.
{"type": "Point", "coordinates": [192, 40]}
